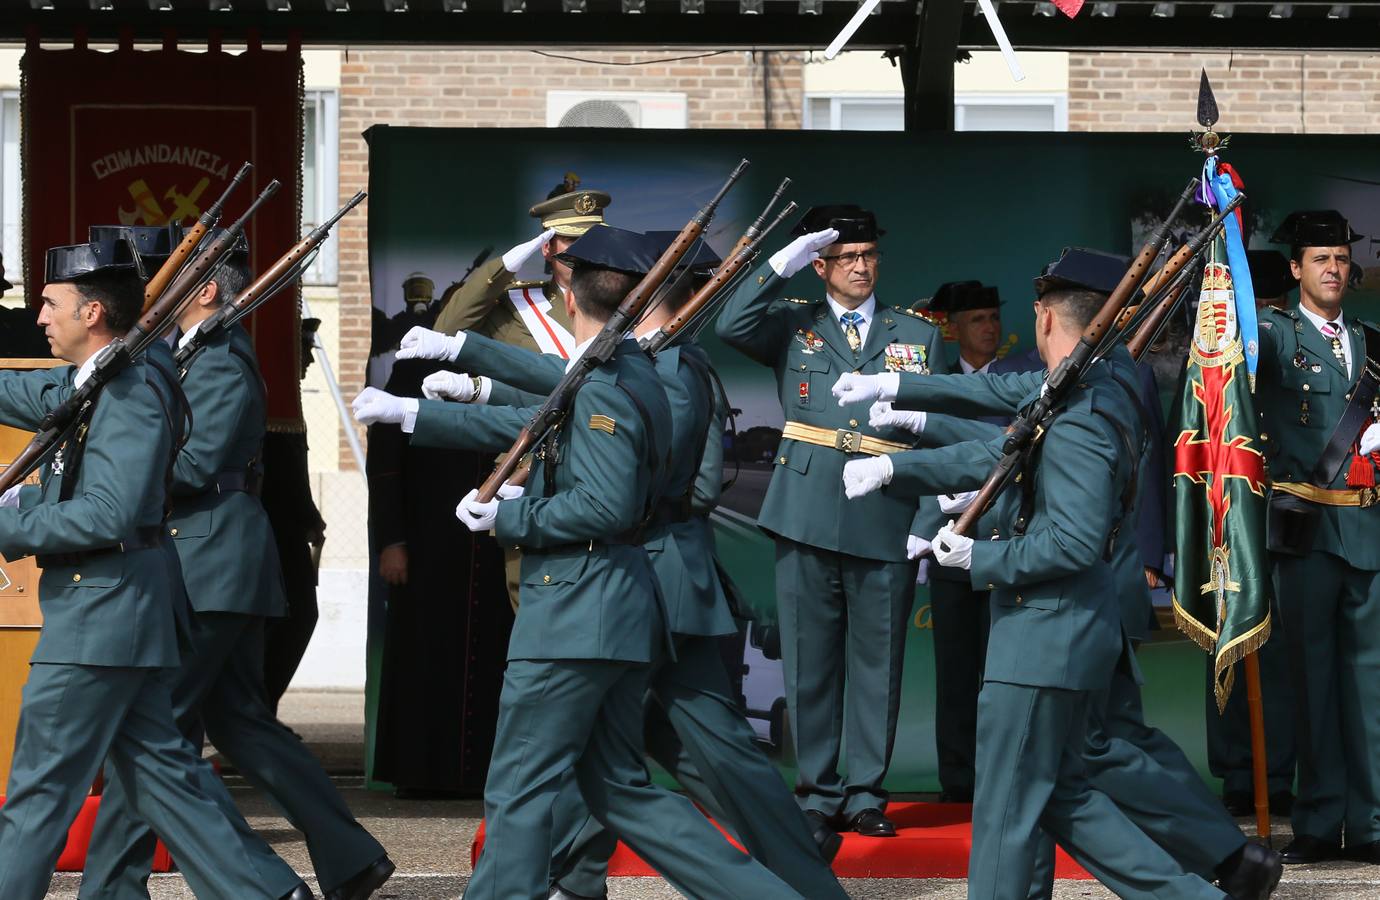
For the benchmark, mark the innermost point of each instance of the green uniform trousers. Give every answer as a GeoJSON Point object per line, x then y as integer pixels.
{"type": "Point", "coordinates": [1229, 732]}
{"type": "Point", "coordinates": [843, 637]}
{"type": "Point", "coordinates": [220, 688]}
{"type": "Point", "coordinates": [961, 618]}
{"type": "Point", "coordinates": [1153, 784]}
{"type": "Point", "coordinates": [1031, 777]}
{"type": "Point", "coordinates": [72, 718]}
{"type": "Point", "coordinates": [695, 729]}
{"type": "Point", "coordinates": [556, 716]}
{"type": "Point", "coordinates": [1331, 617]}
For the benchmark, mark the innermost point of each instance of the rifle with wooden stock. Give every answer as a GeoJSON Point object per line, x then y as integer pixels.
{"type": "Point", "coordinates": [1100, 335]}
{"type": "Point", "coordinates": [283, 273]}
{"type": "Point", "coordinates": [183, 280]}
{"type": "Point", "coordinates": [601, 349]}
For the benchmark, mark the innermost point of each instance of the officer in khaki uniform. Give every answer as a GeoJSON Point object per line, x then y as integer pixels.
{"type": "Point", "coordinates": [592, 616]}
{"type": "Point", "coordinates": [100, 685]}
{"type": "Point", "coordinates": [1324, 534]}
{"type": "Point", "coordinates": [695, 728]}
{"type": "Point", "coordinates": [844, 584]}
{"type": "Point", "coordinates": [527, 314]}
{"type": "Point", "coordinates": [1056, 637]}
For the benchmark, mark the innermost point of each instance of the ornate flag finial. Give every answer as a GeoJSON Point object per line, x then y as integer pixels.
{"type": "Point", "coordinates": [1208, 141]}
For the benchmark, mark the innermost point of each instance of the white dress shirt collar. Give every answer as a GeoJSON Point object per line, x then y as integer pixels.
{"type": "Point", "coordinates": [867, 310]}
{"type": "Point", "coordinates": [1318, 323]}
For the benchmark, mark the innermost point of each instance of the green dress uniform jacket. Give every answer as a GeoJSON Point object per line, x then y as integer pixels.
{"type": "Point", "coordinates": [98, 687]}
{"type": "Point", "coordinates": [589, 620]}
{"type": "Point", "coordinates": [1329, 599]}
{"type": "Point", "coordinates": [229, 566]}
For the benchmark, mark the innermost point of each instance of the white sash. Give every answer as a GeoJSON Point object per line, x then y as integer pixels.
{"type": "Point", "coordinates": [550, 336]}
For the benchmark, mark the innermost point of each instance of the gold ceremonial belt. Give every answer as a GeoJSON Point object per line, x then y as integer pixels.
{"type": "Point", "coordinates": [841, 439]}
{"type": "Point", "coordinates": [1362, 497]}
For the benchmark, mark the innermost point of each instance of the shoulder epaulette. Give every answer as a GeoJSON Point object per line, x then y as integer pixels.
{"type": "Point", "coordinates": [911, 312]}
{"type": "Point", "coordinates": [800, 301]}
{"type": "Point", "coordinates": [519, 285]}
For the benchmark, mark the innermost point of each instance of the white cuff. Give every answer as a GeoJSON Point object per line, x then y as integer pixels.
{"type": "Point", "coordinates": [887, 465]}
{"type": "Point", "coordinates": [410, 407]}
{"type": "Point", "coordinates": [888, 386]}
{"type": "Point", "coordinates": [486, 386]}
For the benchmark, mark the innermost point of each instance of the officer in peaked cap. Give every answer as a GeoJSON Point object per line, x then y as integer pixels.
{"type": "Point", "coordinates": [1320, 430]}
{"type": "Point", "coordinates": [845, 577]}
{"type": "Point", "coordinates": [528, 314]}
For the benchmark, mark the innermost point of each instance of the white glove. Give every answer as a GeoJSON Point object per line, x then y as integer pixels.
{"type": "Point", "coordinates": [798, 253]}
{"type": "Point", "coordinates": [863, 476]}
{"type": "Point", "coordinates": [852, 388]}
{"type": "Point", "coordinates": [423, 343]}
{"type": "Point", "coordinates": [882, 415]}
{"type": "Point", "coordinates": [375, 406]}
{"type": "Point", "coordinates": [452, 386]}
{"type": "Point", "coordinates": [514, 258]}
{"type": "Point", "coordinates": [11, 497]}
{"type": "Point", "coordinates": [1370, 440]}
{"type": "Point", "coordinates": [478, 516]}
{"type": "Point", "coordinates": [916, 546]}
{"type": "Point", "coordinates": [952, 504]}
{"type": "Point", "coordinates": [953, 550]}
{"type": "Point", "coordinates": [922, 572]}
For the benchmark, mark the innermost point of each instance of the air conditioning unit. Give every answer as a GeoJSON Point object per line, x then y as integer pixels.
{"type": "Point", "coordinates": [615, 109]}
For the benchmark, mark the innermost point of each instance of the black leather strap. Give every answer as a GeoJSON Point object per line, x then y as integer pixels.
{"type": "Point", "coordinates": [144, 538]}
{"type": "Point", "coordinates": [1354, 417]}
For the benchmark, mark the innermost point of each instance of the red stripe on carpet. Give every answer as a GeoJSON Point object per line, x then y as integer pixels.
{"type": "Point", "coordinates": [933, 841]}
{"type": "Point", "coordinates": [73, 858]}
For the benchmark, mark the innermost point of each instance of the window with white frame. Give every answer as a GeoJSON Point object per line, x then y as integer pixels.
{"type": "Point", "coordinates": [9, 186]}
{"type": "Point", "coordinates": [320, 177]}
{"type": "Point", "coordinates": [972, 112]}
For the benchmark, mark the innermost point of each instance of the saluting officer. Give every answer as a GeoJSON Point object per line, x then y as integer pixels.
{"type": "Point", "coordinates": [229, 565]}
{"type": "Point", "coordinates": [844, 583]}
{"type": "Point", "coordinates": [101, 681]}
{"type": "Point", "coordinates": [592, 617]}
{"type": "Point", "coordinates": [1316, 388]}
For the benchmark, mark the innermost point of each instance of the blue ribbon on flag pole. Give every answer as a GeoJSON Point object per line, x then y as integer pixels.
{"type": "Point", "coordinates": [1223, 191]}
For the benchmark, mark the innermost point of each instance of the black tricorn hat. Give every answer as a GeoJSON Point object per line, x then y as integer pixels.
{"type": "Point", "coordinates": [609, 247]}
{"type": "Point", "coordinates": [1270, 273]}
{"type": "Point", "coordinates": [74, 261]}
{"type": "Point", "coordinates": [1315, 228]}
{"type": "Point", "coordinates": [702, 259]}
{"type": "Point", "coordinates": [1081, 268]}
{"type": "Point", "coordinates": [958, 296]}
{"type": "Point", "coordinates": [855, 225]}
{"type": "Point", "coordinates": [147, 240]}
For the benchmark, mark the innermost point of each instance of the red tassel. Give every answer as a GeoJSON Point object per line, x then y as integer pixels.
{"type": "Point", "coordinates": [1361, 474]}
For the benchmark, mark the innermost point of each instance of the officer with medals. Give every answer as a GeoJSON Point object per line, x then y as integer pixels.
{"type": "Point", "coordinates": [593, 620]}
{"type": "Point", "coordinates": [957, 612]}
{"type": "Point", "coordinates": [845, 581]}
{"type": "Point", "coordinates": [695, 728]}
{"type": "Point", "coordinates": [1055, 568]}
{"type": "Point", "coordinates": [1320, 426]}
{"type": "Point", "coordinates": [528, 314]}
{"type": "Point", "coordinates": [103, 674]}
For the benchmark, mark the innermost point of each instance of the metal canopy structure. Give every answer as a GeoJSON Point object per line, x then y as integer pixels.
{"type": "Point", "coordinates": [924, 36]}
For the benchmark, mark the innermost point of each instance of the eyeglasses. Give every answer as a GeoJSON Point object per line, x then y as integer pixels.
{"type": "Point", "coordinates": [848, 260]}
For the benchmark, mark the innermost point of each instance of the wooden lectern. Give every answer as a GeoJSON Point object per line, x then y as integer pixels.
{"type": "Point", "coordinates": [20, 619]}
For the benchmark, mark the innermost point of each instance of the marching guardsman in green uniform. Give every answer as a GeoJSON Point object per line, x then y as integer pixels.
{"type": "Point", "coordinates": [695, 729]}
{"type": "Point", "coordinates": [1320, 423]}
{"type": "Point", "coordinates": [1056, 636]}
{"type": "Point", "coordinates": [1138, 767]}
{"type": "Point", "coordinates": [592, 616]}
{"type": "Point", "coordinates": [100, 685]}
{"type": "Point", "coordinates": [219, 528]}
{"type": "Point", "coordinates": [844, 584]}
{"type": "Point", "coordinates": [528, 314]}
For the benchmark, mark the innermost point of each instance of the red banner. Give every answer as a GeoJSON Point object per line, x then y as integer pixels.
{"type": "Point", "coordinates": [146, 137]}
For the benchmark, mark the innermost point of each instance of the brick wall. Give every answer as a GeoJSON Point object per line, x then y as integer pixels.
{"type": "Point", "coordinates": [1295, 93]}
{"type": "Point", "coordinates": [482, 88]}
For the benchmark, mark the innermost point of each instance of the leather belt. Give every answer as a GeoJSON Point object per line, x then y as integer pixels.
{"type": "Point", "coordinates": [231, 481]}
{"type": "Point", "coordinates": [841, 439]}
{"type": "Point", "coordinates": [144, 539]}
{"type": "Point", "coordinates": [1362, 497]}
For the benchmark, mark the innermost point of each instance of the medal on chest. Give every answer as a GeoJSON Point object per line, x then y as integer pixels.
{"type": "Point", "coordinates": [912, 358]}
{"type": "Point", "coordinates": [809, 341]}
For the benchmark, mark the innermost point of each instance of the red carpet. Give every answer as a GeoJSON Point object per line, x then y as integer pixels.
{"type": "Point", "coordinates": [73, 857]}
{"type": "Point", "coordinates": [933, 842]}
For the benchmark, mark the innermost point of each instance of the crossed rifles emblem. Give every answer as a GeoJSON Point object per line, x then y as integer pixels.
{"type": "Point", "coordinates": [148, 211]}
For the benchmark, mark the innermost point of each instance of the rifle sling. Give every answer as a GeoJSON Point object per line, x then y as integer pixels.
{"type": "Point", "coordinates": [1354, 417]}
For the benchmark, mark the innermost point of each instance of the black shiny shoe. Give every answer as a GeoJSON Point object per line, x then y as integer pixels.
{"type": "Point", "coordinates": [1255, 876]}
{"type": "Point", "coordinates": [871, 823]}
{"type": "Point", "coordinates": [301, 892]}
{"type": "Point", "coordinates": [828, 840]}
{"type": "Point", "coordinates": [1308, 849]}
{"type": "Point", "coordinates": [362, 884]}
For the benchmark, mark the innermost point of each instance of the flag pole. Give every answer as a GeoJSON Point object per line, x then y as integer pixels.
{"type": "Point", "coordinates": [1258, 757]}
